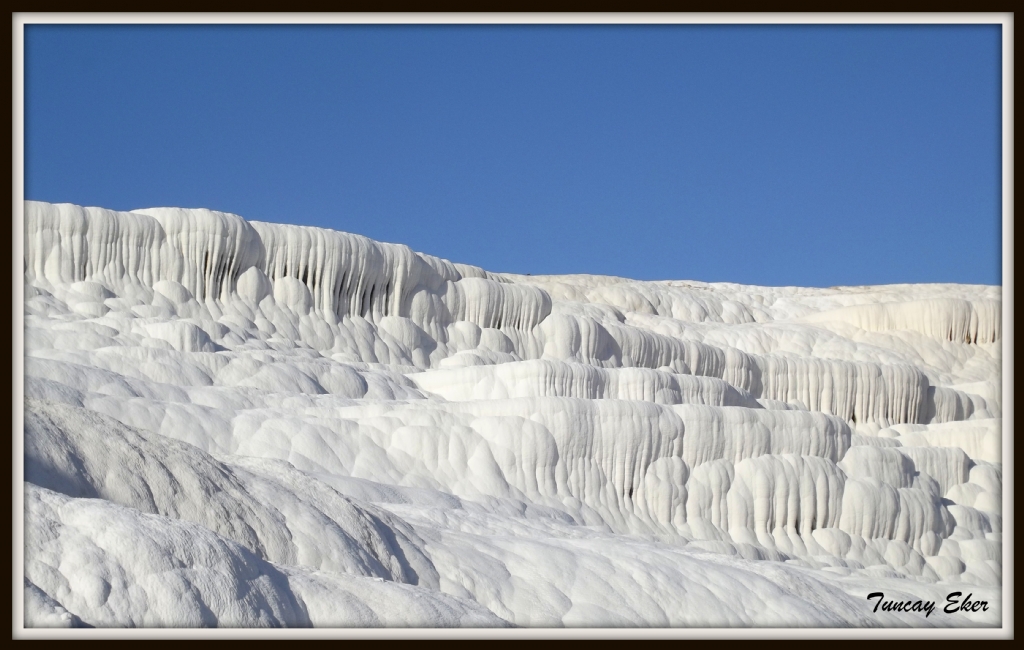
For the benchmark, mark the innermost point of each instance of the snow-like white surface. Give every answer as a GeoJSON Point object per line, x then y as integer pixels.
{"type": "Point", "coordinates": [247, 424]}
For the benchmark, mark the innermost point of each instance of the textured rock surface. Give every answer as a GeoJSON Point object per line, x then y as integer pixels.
{"type": "Point", "coordinates": [248, 424]}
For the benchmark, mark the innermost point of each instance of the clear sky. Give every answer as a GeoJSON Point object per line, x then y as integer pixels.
{"type": "Point", "coordinates": [773, 155]}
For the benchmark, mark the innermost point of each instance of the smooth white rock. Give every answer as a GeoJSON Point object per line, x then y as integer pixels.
{"type": "Point", "coordinates": [251, 424]}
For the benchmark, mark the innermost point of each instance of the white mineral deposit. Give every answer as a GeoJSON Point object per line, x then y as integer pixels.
{"type": "Point", "coordinates": [232, 423]}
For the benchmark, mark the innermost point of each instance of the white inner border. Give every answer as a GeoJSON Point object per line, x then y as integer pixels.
{"type": "Point", "coordinates": [19, 20]}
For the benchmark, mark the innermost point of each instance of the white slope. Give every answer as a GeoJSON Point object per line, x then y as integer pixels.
{"type": "Point", "coordinates": [248, 424]}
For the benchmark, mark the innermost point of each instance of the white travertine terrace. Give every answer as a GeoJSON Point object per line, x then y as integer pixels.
{"type": "Point", "coordinates": [250, 424]}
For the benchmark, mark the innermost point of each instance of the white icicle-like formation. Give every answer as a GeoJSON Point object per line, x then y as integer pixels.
{"type": "Point", "coordinates": [306, 427]}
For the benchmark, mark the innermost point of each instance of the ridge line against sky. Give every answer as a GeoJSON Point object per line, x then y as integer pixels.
{"type": "Point", "coordinates": [813, 155]}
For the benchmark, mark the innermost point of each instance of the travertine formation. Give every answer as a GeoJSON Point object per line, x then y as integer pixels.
{"type": "Point", "coordinates": [245, 424]}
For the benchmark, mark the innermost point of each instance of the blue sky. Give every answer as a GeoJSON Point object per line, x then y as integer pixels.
{"type": "Point", "coordinates": [773, 155]}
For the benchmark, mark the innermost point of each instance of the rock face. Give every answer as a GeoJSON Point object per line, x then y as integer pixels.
{"type": "Point", "coordinates": [247, 424]}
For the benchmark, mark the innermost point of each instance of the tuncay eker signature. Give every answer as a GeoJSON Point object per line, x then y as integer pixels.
{"type": "Point", "coordinates": [953, 604]}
